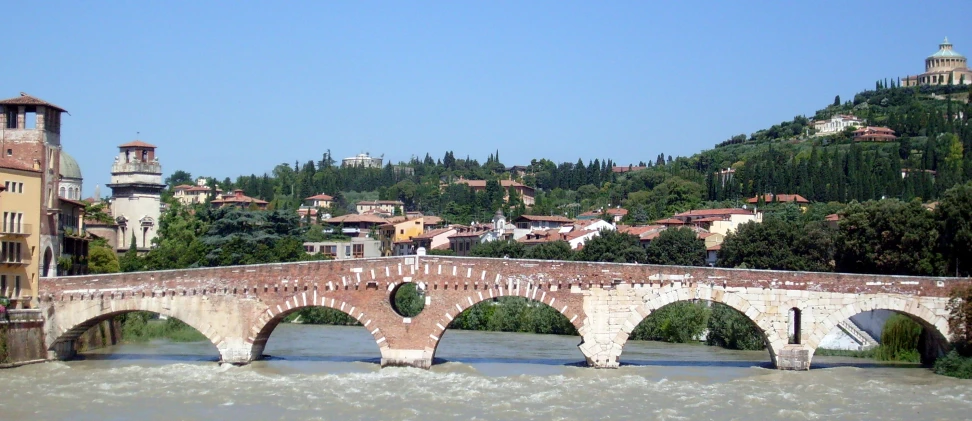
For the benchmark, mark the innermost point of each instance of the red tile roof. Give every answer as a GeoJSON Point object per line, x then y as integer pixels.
{"type": "Point", "coordinates": [137, 144]}
{"type": "Point", "coordinates": [321, 196]}
{"type": "Point", "coordinates": [238, 197]}
{"type": "Point", "coordinates": [714, 212]}
{"type": "Point", "coordinates": [16, 164]}
{"type": "Point", "coordinates": [355, 218]}
{"type": "Point", "coordinates": [434, 233]}
{"type": "Point", "coordinates": [781, 198]}
{"type": "Point", "coordinates": [670, 221]}
{"type": "Point", "coordinates": [25, 99]}
{"type": "Point", "coordinates": [545, 218]}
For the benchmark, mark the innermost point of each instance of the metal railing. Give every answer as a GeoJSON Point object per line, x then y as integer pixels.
{"type": "Point", "coordinates": [16, 229]}
{"type": "Point", "coordinates": [22, 316]}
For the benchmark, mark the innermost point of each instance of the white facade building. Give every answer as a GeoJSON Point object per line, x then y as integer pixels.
{"type": "Point", "coordinates": [136, 194]}
{"type": "Point", "coordinates": [837, 124]}
{"type": "Point", "coordinates": [362, 160]}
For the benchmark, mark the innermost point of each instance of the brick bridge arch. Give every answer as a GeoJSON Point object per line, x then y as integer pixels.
{"type": "Point", "coordinates": [275, 313]}
{"type": "Point", "coordinates": [935, 325]}
{"type": "Point", "coordinates": [770, 326]}
{"type": "Point", "coordinates": [73, 318]}
{"type": "Point", "coordinates": [535, 292]}
{"type": "Point", "coordinates": [238, 307]}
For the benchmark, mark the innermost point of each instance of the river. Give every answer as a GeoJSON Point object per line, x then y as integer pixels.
{"type": "Point", "coordinates": [330, 373]}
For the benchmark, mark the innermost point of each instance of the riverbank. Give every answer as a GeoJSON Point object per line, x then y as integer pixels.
{"type": "Point", "coordinates": [143, 326]}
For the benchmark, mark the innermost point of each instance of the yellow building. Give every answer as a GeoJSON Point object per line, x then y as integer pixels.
{"type": "Point", "coordinates": [399, 230]}
{"type": "Point", "coordinates": [20, 203]}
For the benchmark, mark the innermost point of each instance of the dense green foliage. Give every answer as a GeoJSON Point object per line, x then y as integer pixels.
{"type": "Point", "coordinates": [613, 246]}
{"type": "Point", "coordinates": [888, 237]}
{"type": "Point", "coordinates": [679, 246]}
{"type": "Point", "coordinates": [322, 316]}
{"type": "Point", "coordinates": [679, 322]}
{"type": "Point", "coordinates": [140, 326]}
{"type": "Point", "coordinates": [409, 300]}
{"type": "Point", "coordinates": [101, 258]}
{"type": "Point", "coordinates": [781, 245]}
{"type": "Point", "coordinates": [954, 365]}
{"type": "Point", "coordinates": [513, 314]}
{"type": "Point", "coordinates": [731, 329]}
{"type": "Point", "coordinates": [899, 340]}
{"type": "Point", "coordinates": [686, 321]}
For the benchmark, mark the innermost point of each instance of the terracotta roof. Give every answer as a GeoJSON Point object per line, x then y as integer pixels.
{"type": "Point", "coordinates": [238, 197]}
{"type": "Point", "coordinates": [670, 221]}
{"type": "Point", "coordinates": [321, 196]}
{"type": "Point", "coordinates": [617, 211]}
{"type": "Point", "coordinates": [482, 183]}
{"type": "Point", "coordinates": [431, 220]}
{"type": "Point", "coordinates": [832, 217]}
{"type": "Point", "coordinates": [183, 187]}
{"type": "Point", "coordinates": [710, 219]}
{"type": "Point", "coordinates": [434, 233]}
{"type": "Point", "coordinates": [16, 164]}
{"type": "Point", "coordinates": [545, 218]}
{"type": "Point", "coordinates": [782, 198]}
{"type": "Point", "coordinates": [25, 99]}
{"type": "Point", "coordinates": [379, 202]}
{"type": "Point", "coordinates": [714, 212]}
{"type": "Point", "coordinates": [73, 202]}
{"type": "Point", "coordinates": [137, 144]}
{"type": "Point", "coordinates": [355, 218]}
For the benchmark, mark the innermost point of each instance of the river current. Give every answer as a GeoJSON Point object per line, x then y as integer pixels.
{"type": "Point", "coordinates": [331, 373]}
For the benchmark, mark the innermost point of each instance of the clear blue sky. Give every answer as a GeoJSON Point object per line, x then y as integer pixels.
{"type": "Point", "coordinates": [230, 88]}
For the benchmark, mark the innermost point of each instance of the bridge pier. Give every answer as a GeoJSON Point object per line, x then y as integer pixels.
{"type": "Point", "coordinates": [418, 358]}
{"type": "Point", "coordinates": [794, 357]}
{"type": "Point", "coordinates": [62, 350]}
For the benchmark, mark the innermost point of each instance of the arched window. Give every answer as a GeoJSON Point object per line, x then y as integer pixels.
{"type": "Point", "coordinates": [794, 326]}
{"type": "Point", "coordinates": [61, 192]}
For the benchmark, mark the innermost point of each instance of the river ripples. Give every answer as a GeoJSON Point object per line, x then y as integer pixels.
{"type": "Point", "coordinates": [327, 373]}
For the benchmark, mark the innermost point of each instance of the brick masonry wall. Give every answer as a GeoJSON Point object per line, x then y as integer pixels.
{"type": "Point", "coordinates": [238, 307]}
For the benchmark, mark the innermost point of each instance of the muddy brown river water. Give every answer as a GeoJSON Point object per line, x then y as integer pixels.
{"type": "Point", "coordinates": [330, 373]}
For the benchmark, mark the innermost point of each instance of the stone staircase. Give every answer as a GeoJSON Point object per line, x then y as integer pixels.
{"type": "Point", "coordinates": [859, 335]}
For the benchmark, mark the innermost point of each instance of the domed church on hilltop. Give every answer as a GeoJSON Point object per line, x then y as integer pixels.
{"type": "Point", "coordinates": [943, 67]}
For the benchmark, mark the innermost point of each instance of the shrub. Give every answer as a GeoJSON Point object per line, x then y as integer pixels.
{"type": "Point", "coordinates": [954, 365]}
{"type": "Point", "coordinates": [679, 322]}
{"type": "Point", "coordinates": [899, 340]}
{"type": "Point", "coordinates": [731, 329]}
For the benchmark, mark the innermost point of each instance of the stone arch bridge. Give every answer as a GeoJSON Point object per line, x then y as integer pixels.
{"type": "Point", "coordinates": [238, 307]}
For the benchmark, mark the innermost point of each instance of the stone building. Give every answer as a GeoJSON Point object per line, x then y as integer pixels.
{"type": "Point", "coordinates": [136, 195]}
{"type": "Point", "coordinates": [71, 181]}
{"type": "Point", "coordinates": [362, 160]}
{"type": "Point", "coordinates": [30, 146]}
{"type": "Point", "coordinates": [944, 66]}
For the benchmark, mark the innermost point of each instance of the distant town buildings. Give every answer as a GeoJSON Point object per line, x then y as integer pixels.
{"type": "Point", "coordinates": [362, 160]}
{"type": "Point", "coordinates": [944, 66]}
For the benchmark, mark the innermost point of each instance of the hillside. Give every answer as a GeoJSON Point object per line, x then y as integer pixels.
{"type": "Point", "coordinates": [934, 150]}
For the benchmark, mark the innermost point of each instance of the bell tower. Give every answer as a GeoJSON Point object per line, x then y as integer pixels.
{"type": "Point", "coordinates": [136, 195]}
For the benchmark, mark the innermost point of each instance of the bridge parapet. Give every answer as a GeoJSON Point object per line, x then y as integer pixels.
{"type": "Point", "coordinates": [238, 307]}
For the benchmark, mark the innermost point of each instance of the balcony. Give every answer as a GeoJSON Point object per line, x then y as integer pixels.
{"type": "Point", "coordinates": [12, 258]}
{"type": "Point", "coordinates": [15, 230]}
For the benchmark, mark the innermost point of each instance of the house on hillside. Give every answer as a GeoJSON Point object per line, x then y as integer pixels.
{"type": "Point", "coordinates": [874, 134]}
{"type": "Point", "coordinates": [354, 225]}
{"type": "Point", "coordinates": [396, 235]}
{"type": "Point", "coordinates": [837, 124]}
{"type": "Point", "coordinates": [526, 193]}
{"type": "Point", "coordinates": [239, 200]}
{"type": "Point", "coordinates": [722, 221]}
{"type": "Point", "coordinates": [379, 207]}
{"type": "Point", "coordinates": [188, 195]}
{"type": "Point", "coordinates": [308, 211]}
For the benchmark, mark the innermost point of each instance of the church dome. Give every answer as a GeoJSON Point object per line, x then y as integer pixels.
{"type": "Point", "coordinates": [69, 167]}
{"type": "Point", "coordinates": [945, 51]}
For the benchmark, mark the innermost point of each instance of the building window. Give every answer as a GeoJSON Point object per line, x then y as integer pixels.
{"type": "Point", "coordinates": [330, 251]}
{"type": "Point", "coordinates": [358, 250]}
{"type": "Point", "coordinates": [3, 285]}
{"type": "Point", "coordinates": [17, 286]}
